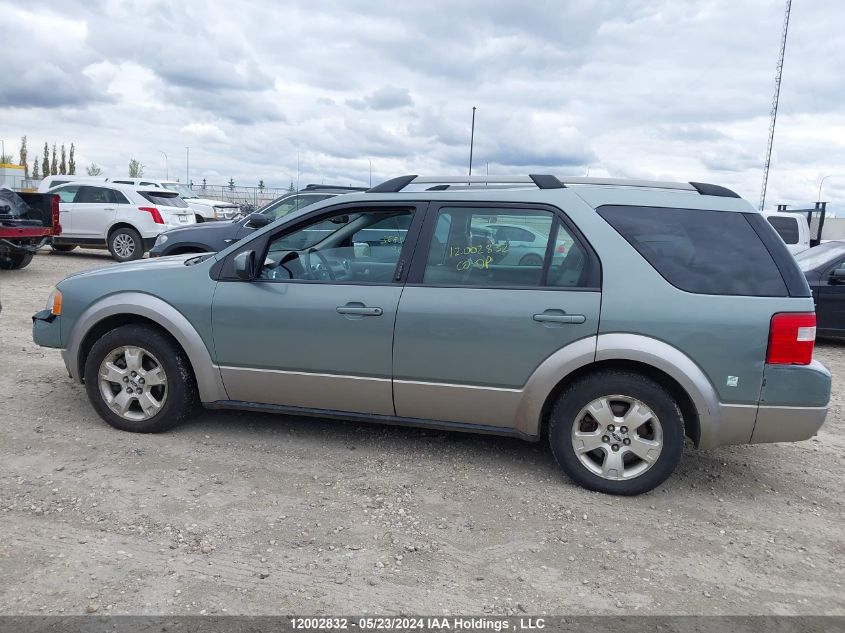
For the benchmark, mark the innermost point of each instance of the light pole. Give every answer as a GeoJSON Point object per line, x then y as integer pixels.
{"type": "Point", "coordinates": [166, 168]}
{"type": "Point", "coordinates": [187, 165]}
{"type": "Point", "coordinates": [819, 197]}
{"type": "Point", "coordinates": [370, 160]}
{"type": "Point", "coordinates": [471, 140]}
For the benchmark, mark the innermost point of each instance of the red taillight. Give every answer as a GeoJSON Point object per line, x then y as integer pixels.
{"type": "Point", "coordinates": [561, 248]}
{"type": "Point", "coordinates": [54, 212]}
{"type": "Point", "coordinates": [153, 212]}
{"type": "Point", "coordinates": [792, 336]}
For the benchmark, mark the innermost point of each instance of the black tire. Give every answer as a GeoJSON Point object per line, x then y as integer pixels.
{"type": "Point", "coordinates": [199, 218]}
{"type": "Point", "coordinates": [122, 236]}
{"type": "Point", "coordinates": [15, 261]}
{"type": "Point", "coordinates": [181, 395]}
{"type": "Point", "coordinates": [621, 383]}
{"type": "Point", "coordinates": [531, 260]}
{"type": "Point", "coordinates": [63, 248]}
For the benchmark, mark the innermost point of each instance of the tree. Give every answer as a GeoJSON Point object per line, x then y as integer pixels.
{"type": "Point", "coordinates": [45, 162]}
{"type": "Point", "coordinates": [136, 169]}
{"type": "Point", "coordinates": [71, 166]}
{"type": "Point", "coordinates": [5, 159]}
{"type": "Point", "coordinates": [291, 186]}
{"type": "Point", "coordinates": [24, 162]}
{"type": "Point", "coordinates": [93, 170]}
{"type": "Point", "coordinates": [54, 163]}
{"type": "Point", "coordinates": [261, 185]}
{"type": "Point", "coordinates": [63, 163]}
{"type": "Point", "coordinates": [35, 174]}
{"type": "Point", "coordinates": [231, 184]}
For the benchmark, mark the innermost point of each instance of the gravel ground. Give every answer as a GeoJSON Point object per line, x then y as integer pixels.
{"type": "Point", "coordinates": [257, 514]}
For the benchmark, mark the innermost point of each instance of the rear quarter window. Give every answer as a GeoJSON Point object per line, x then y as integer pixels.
{"type": "Point", "coordinates": [787, 228]}
{"type": "Point", "coordinates": [705, 252]}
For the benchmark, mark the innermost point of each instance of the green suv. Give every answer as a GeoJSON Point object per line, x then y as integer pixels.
{"type": "Point", "coordinates": [656, 311]}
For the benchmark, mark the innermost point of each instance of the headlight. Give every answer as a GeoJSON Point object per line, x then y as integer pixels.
{"type": "Point", "coordinates": [161, 239]}
{"type": "Point", "coordinates": [54, 302]}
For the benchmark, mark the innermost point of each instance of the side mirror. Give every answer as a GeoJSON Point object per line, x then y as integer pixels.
{"type": "Point", "coordinates": [257, 220]}
{"type": "Point", "coordinates": [244, 263]}
{"type": "Point", "coordinates": [837, 275]}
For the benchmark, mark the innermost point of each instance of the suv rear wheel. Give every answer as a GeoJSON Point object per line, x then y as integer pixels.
{"type": "Point", "coordinates": [125, 244]}
{"type": "Point", "coordinates": [139, 380]}
{"type": "Point", "coordinates": [617, 432]}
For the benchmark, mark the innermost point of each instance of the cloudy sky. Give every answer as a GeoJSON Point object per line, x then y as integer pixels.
{"type": "Point", "coordinates": [668, 89]}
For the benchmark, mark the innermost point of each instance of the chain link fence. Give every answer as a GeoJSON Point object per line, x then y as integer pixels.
{"type": "Point", "coordinates": [247, 198]}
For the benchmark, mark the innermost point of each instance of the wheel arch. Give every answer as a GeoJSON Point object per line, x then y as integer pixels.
{"type": "Point", "coordinates": [661, 362]}
{"type": "Point", "coordinates": [121, 224]}
{"type": "Point", "coordinates": [135, 307]}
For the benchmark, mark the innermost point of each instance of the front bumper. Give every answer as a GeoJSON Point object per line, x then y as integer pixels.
{"type": "Point", "coordinates": [46, 329]}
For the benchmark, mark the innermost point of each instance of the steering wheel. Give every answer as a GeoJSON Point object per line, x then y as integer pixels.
{"type": "Point", "coordinates": [307, 260]}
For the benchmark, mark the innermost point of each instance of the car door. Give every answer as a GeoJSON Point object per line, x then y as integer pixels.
{"type": "Point", "coordinates": [95, 209]}
{"type": "Point", "coordinates": [830, 299]}
{"type": "Point", "coordinates": [67, 207]}
{"type": "Point", "coordinates": [314, 327]}
{"type": "Point", "coordinates": [472, 327]}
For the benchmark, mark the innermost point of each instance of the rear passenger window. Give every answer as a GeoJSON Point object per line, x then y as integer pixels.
{"type": "Point", "coordinates": [500, 247]}
{"type": "Point", "coordinates": [706, 252]}
{"type": "Point", "coordinates": [787, 228]}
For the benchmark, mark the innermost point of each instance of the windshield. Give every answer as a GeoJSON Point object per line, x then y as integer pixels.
{"type": "Point", "coordinates": [283, 206]}
{"type": "Point", "coordinates": [184, 190]}
{"type": "Point", "coordinates": [819, 255]}
{"type": "Point", "coordinates": [164, 198]}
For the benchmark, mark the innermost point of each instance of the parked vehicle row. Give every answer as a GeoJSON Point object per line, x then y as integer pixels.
{"type": "Point", "coordinates": [205, 209]}
{"type": "Point", "coordinates": [122, 218]}
{"type": "Point", "coordinates": [672, 310]}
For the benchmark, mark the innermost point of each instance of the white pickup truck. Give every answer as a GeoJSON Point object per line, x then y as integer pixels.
{"type": "Point", "coordinates": [792, 228]}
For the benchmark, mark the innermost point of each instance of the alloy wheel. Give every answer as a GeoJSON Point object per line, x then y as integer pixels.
{"type": "Point", "coordinates": [133, 383]}
{"type": "Point", "coordinates": [617, 437]}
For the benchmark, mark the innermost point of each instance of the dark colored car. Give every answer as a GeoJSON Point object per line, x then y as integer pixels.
{"type": "Point", "coordinates": [824, 268]}
{"type": "Point", "coordinates": [27, 222]}
{"type": "Point", "coordinates": [215, 236]}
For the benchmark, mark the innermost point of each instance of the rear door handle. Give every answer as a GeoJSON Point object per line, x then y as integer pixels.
{"type": "Point", "coordinates": [359, 310]}
{"type": "Point", "coordinates": [559, 316]}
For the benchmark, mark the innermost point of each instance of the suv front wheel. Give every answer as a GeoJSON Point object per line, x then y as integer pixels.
{"type": "Point", "coordinates": [617, 432]}
{"type": "Point", "coordinates": [139, 380]}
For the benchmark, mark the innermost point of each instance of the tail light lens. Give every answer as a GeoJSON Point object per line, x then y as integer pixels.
{"type": "Point", "coordinates": [153, 212]}
{"type": "Point", "coordinates": [792, 336]}
{"type": "Point", "coordinates": [54, 213]}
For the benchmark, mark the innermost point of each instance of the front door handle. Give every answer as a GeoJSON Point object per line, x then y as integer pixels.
{"type": "Point", "coordinates": [359, 309]}
{"type": "Point", "coordinates": [108, 208]}
{"type": "Point", "coordinates": [559, 316]}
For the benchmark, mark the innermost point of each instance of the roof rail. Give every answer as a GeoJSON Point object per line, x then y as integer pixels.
{"type": "Point", "coordinates": [543, 181]}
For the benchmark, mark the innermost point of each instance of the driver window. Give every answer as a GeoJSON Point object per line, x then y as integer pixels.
{"type": "Point", "coordinates": [361, 246]}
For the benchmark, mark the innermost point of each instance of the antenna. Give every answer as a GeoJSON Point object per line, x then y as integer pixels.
{"type": "Point", "coordinates": [775, 99]}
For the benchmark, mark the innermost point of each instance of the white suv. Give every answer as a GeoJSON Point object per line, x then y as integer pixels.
{"type": "Point", "coordinates": [121, 218]}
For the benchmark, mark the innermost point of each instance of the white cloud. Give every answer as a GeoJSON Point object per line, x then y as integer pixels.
{"type": "Point", "coordinates": [641, 88]}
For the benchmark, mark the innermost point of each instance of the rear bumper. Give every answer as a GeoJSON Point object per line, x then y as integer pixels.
{"type": "Point", "coordinates": [793, 406]}
{"type": "Point", "coordinates": [787, 424]}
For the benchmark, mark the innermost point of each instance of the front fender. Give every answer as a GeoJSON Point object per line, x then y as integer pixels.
{"type": "Point", "coordinates": [209, 382]}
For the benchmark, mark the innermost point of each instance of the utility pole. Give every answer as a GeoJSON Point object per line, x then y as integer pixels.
{"type": "Point", "coordinates": [188, 166]}
{"type": "Point", "coordinates": [166, 168]}
{"type": "Point", "coordinates": [775, 99]}
{"type": "Point", "coordinates": [471, 140]}
{"type": "Point", "coordinates": [371, 171]}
